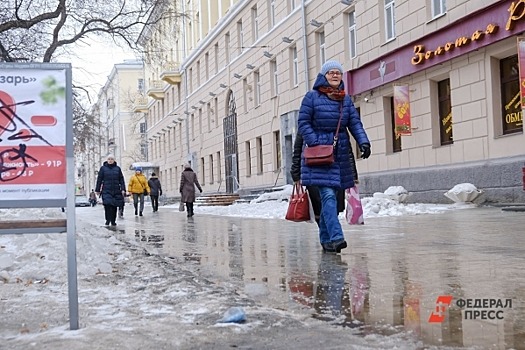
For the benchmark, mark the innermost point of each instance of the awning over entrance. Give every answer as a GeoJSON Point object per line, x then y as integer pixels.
{"type": "Point", "coordinates": [143, 165]}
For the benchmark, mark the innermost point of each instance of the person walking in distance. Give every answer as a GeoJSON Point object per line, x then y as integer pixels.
{"type": "Point", "coordinates": [93, 198]}
{"type": "Point", "coordinates": [138, 187]}
{"type": "Point", "coordinates": [155, 191]}
{"type": "Point", "coordinates": [188, 181]}
{"type": "Point", "coordinates": [110, 181]}
{"type": "Point", "coordinates": [325, 114]}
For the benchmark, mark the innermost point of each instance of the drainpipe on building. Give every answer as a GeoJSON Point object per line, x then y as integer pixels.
{"type": "Point", "coordinates": [305, 51]}
{"type": "Point", "coordinates": [186, 92]}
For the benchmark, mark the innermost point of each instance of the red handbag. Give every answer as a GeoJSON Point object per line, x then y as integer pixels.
{"type": "Point", "coordinates": [319, 155]}
{"type": "Point", "coordinates": [323, 154]}
{"type": "Point", "coordinates": [298, 206]}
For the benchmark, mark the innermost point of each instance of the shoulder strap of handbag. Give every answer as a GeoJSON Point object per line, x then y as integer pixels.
{"type": "Point", "coordinates": [336, 136]}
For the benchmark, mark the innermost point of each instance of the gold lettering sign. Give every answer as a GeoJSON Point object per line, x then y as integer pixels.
{"type": "Point", "coordinates": [517, 11]}
{"type": "Point", "coordinates": [420, 55]}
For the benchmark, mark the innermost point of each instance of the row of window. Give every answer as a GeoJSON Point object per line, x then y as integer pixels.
{"type": "Point", "coordinates": [511, 119]}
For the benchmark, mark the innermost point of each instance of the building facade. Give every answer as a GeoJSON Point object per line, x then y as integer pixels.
{"type": "Point", "coordinates": [224, 85]}
{"type": "Point", "coordinates": [121, 132]}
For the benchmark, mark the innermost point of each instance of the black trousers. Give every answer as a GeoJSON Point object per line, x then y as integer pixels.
{"type": "Point", "coordinates": [189, 208]}
{"type": "Point", "coordinates": [111, 213]}
{"type": "Point", "coordinates": [155, 202]}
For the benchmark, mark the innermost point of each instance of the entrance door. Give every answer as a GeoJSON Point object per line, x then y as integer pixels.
{"type": "Point", "coordinates": [231, 164]}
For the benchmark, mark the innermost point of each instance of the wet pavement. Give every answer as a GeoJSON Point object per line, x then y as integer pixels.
{"type": "Point", "coordinates": [387, 281]}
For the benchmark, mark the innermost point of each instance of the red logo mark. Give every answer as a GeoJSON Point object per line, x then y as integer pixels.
{"type": "Point", "coordinates": [438, 315]}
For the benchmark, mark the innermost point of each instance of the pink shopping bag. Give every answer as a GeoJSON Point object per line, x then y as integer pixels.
{"type": "Point", "coordinates": [354, 209]}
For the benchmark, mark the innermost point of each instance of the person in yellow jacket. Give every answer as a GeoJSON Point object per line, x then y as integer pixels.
{"type": "Point", "coordinates": [138, 187]}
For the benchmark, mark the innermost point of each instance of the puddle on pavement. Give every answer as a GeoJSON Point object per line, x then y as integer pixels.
{"type": "Point", "coordinates": [387, 282]}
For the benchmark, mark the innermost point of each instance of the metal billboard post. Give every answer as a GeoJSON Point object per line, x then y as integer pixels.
{"type": "Point", "coordinates": [37, 166]}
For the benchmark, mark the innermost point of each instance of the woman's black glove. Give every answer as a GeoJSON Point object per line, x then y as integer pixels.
{"type": "Point", "coordinates": [365, 150]}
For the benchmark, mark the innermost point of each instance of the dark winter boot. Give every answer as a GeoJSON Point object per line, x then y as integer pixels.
{"type": "Point", "coordinates": [136, 211]}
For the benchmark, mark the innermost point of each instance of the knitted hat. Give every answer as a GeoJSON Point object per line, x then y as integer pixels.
{"type": "Point", "coordinates": [329, 65]}
{"type": "Point", "coordinates": [138, 168]}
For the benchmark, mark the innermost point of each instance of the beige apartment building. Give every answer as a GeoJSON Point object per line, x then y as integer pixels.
{"type": "Point", "coordinates": [122, 132]}
{"type": "Point", "coordinates": [224, 85]}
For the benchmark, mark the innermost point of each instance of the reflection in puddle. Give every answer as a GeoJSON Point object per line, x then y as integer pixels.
{"type": "Point", "coordinates": [387, 281]}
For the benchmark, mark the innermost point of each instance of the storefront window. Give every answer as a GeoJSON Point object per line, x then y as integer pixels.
{"type": "Point", "coordinates": [445, 112]}
{"type": "Point", "coordinates": [396, 138]}
{"type": "Point", "coordinates": [512, 117]}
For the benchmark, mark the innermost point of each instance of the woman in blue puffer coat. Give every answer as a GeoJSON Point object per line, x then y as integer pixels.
{"type": "Point", "coordinates": [319, 115]}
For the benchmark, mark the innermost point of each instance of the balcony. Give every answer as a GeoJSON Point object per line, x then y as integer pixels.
{"type": "Point", "coordinates": [170, 73]}
{"type": "Point", "coordinates": [140, 105]}
{"type": "Point", "coordinates": [156, 90]}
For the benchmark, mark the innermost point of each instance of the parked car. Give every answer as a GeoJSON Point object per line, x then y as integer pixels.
{"type": "Point", "coordinates": [82, 201]}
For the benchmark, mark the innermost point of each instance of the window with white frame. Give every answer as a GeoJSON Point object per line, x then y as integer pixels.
{"type": "Point", "coordinates": [207, 65]}
{"type": "Point", "coordinates": [216, 111]}
{"type": "Point", "coordinates": [271, 14]}
{"type": "Point", "coordinates": [193, 126]}
{"type": "Point", "coordinates": [240, 36]}
{"type": "Point", "coordinates": [255, 23]}
{"type": "Point", "coordinates": [202, 172]}
{"type": "Point", "coordinates": [227, 48]}
{"type": "Point", "coordinates": [322, 47]}
{"type": "Point", "coordinates": [439, 7]}
{"type": "Point", "coordinates": [352, 40]}
{"type": "Point", "coordinates": [291, 4]}
{"type": "Point", "coordinates": [259, 150]}
{"type": "Point", "coordinates": [200, 121]}
{"type": "Point", "coordinates": [198, 74]}
{"type": "Point", "coordinates": [208, 111]}
{"type": "Point", "coordinates": [216, 57]}
{"type": "Point", "coordinates": [274, 77]}
{"type": "Point", "coordinates": [390, 19]}
{"type": "Point", "coordinates": [295, 66]}
{"type": "Point", "coordinates": [245, 94]}
{"type": "Point", "coordinates": [248, 158]}
{"type": "Point", "coordinates": [256, 88]}
{"type": "Point", "coordinates": [210, 169]}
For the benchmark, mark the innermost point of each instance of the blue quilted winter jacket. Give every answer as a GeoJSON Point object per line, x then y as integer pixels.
{"type": "Point", "coordinates": [318, 119]}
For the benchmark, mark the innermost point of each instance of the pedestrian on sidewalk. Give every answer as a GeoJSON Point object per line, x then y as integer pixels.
{"type": "Point", "coordinates": [326, 110]}
{"type": "Point", "coordinates": [93, 198]}
{"type": "Point", "coordinates": [155, 191]}
{"type": "Point", "coordinates": [138, 187]}
{"type": "Point", "coordinates": [313, 191]}
{"type": "Point", "coordinates": [110, 181]}
{"type": "Point", "coordinates": [188, 181]}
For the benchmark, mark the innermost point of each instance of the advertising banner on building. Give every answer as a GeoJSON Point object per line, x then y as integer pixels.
{"type": "Point", "coordinates": [402, 110]}
{"type": "Point", "coordinates": [521, 64]}
{"type": "Point", "coordinates": [32, 134]}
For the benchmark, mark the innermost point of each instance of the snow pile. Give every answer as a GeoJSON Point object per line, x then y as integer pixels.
{"type": "Point", "coordinates": [273, 205]}
{"type": "Point", "coordinates": [38, 258]}
{"type": "Point", "coordinates": [395, 193]}
{"type": "Point", "coordinates": [282, 195]}
{"type": "Point", "coordinates": [463, 193]}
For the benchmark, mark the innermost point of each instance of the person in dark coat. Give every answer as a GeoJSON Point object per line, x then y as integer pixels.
{"type": "Point", "coordinates": [110, 181]}
{"type": "Point", "coordinates": [188, 181]}
{"type": "Point", "coordinates": [93, 198]}
{"type": "Point", "coordinates": [155, 191]}
{"type": "Point", "coordinates": [319, 115]}
{"type": "Point", "coordinates": [313, 191]}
